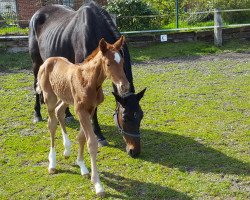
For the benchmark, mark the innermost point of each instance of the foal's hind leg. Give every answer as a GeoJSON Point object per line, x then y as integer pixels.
{"type": "Point", "coordinates": [60, 114]}
{"type": "Point", "coordinates": [51, 101]}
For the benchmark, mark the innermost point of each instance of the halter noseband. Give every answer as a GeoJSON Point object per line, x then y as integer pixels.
{"type": "Point", "coordinates": [121, 131]}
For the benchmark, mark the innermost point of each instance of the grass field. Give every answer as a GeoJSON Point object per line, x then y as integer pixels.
{"type": "Point", "coordinates": [195, 132]}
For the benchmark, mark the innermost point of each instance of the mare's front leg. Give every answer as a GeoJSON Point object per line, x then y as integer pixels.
{"type": "Point", "coordinates": [101, 139]}
{"type": "Point", "coordinates": [85, 121]}
{"type": "Point", "coordinates": [69, 117]}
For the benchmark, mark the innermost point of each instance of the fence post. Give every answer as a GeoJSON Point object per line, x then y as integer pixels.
{"type": "Point", "coordinates": [217, 27]}
{"type": "Point", "coordinates": [113, 17]}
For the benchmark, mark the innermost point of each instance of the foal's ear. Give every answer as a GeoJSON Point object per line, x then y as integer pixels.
{"type": "Point", "coordinates": [140, 94]}
{"type": "Point", "coordinates": [103, 45]}
{"type": "Point", "coordinates": [119, 43]}
{"type": "Point", "coordinates": [118, 98]}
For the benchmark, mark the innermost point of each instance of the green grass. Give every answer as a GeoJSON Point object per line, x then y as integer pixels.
{"type": "Point", "coordinates": [172, 50]}
{"type": "Point", "coordinates": [195, 134]}
{"type": "Point", "coordinates": [14, 30]}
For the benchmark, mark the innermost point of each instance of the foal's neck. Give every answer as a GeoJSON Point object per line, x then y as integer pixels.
{"type": "Point", "coordinates": [94, 71]}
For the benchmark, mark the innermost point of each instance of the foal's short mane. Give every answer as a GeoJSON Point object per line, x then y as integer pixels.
{"type": "Point", "coordinates": [93, 54]}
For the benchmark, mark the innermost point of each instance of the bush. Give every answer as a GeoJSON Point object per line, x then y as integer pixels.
{"type": "Point", "coordinates": [234, 17]}
{"type": "Point", "coordinates": [127, 12]}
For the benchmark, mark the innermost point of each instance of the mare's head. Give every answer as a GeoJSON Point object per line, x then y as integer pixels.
{"type": "Point", "coordinates": [112, 63]}
{"type": "Point", "coordinates": [128, 118]}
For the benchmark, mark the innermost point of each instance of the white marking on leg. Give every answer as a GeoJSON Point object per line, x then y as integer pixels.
{"type": "Point", "coordinates": [117, 57]}
{"type": "Point", "coordinates": [98, 188]}
{"type": "Point", "coordinates": [52, 158]}
{"type": "Point", "coordinates": [67, 144]}
{"type": "Point", "coordinates": [81, 164]}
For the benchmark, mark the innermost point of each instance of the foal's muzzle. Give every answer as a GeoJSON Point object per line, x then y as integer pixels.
{"type": "Point", "coordinates": [123, 88]}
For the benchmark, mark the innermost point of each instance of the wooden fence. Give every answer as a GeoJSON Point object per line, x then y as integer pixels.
{"type": "Point", "coordinates": [20, 43]}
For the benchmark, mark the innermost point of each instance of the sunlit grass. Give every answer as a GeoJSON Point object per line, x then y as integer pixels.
{"type": "Point", "coordinates": [195, 134]}
{"type": "Point", "coordinates": [13, 30]}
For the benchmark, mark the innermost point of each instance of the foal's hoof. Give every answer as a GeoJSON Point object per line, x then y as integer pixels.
{"type": "Point", "coordinates": [52, 171]}
{"type": "Point", "coordinates": [101, 194]}
{"type": "Point", "coordinates": [66, 157]}
{"type": "Point", "coordinates": [37, 119]}
{"type": "Point", "coordinates": [102, 143]}
{"type": "Point", "coordinates": [69, 119]}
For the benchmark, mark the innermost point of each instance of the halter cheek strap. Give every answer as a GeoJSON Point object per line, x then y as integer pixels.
{"type": "Point", "coordinates": [135, 135]}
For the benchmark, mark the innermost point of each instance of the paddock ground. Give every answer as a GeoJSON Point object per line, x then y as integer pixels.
{"type": "Point", "coordinates": [195, 135]}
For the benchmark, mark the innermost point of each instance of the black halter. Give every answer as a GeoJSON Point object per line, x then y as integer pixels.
{"type": "Point", "coordinates": [121, 131]}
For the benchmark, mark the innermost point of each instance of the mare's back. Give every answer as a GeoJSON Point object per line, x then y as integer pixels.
{"type": "Point", "coordinates": [48, 26]}
{"type": "Point", "coordinates": [62, 31]}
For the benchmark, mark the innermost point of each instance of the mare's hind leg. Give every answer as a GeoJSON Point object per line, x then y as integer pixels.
{"type": "Point", "coordinates": [37, 114]}
{"type": "Point", "coordinates": [51, 100]}
{"type": "Point", "coordinates": [60, 114]}
{"type": "Point", "coordinates": [80, 158]}
{"type": "Point", "coordinates": [100, 138]}
{"type": "Point", "coordinates": [36, 63]}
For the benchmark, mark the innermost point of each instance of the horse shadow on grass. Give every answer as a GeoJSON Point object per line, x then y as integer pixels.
{"type": "Point", "coordinates": [184, 153]}
{"type": "Point", "coordinates": [141, 190]}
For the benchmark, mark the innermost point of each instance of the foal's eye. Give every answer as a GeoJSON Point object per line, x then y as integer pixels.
{"type": "Point", "coordinates": [108, 64]}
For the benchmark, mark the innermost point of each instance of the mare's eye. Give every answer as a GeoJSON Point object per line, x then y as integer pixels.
{"type": "Point", "coordinates": [135, 115]}
{"type": "Point", "coordinates": [108, 64]}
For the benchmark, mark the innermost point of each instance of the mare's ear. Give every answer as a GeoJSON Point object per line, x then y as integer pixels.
{"type": "Point", "coordinates": [103, 45]}
{"type": "Point", "coordinates": [140, 94]}
{"type": "Point", "coordinates": [119, 43]}
{"type": "Point", "coordinates": [118, 98]}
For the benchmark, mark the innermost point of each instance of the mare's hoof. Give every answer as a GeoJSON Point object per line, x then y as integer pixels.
{"type": "Point", "coordinates": [52, 171]}
{"type": "Point", "coordinates": [69, 119]}
{"type": "Point", "coordinates": [101, 194]}
{"type": "Point", "coordinates": [37, 119]}
{"type": "Point", "coordinates": [102, 143]}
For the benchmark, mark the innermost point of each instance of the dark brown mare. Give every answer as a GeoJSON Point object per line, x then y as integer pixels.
{"type": "Point", "coordinates": [64, 83]}
{"type": "Point", "coordinates": [60, 31]}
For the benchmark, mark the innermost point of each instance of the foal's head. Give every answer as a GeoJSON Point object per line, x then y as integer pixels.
{"type": "Point", "coordinates": [112, 63]}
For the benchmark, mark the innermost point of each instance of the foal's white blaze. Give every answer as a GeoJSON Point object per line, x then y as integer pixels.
{"type": "Point", "coordinates": [67, 144]}
{"type": "Point", "coordinates": [81, 164]}
{"type": "Point", "coordinates": [52, 158]}
{"type": "Point", "coordinates": [117, 57]}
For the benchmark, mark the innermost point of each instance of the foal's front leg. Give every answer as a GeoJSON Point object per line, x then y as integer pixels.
{"type": "Point", "coordinates": [80, 158]}
{"type": "Point", "coordinates": [85, 121]}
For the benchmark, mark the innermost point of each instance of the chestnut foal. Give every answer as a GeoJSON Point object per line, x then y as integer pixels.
{"type": "Point", "coordinates": [63, 83]}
